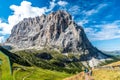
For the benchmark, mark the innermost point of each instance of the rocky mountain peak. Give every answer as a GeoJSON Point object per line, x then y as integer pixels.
{"type": "Point", "coordinates": [56, 31]}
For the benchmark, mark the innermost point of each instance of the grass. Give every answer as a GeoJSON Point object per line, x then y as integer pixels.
{"type": "Point", "coordinates": [101, 73]}
{"type": "Point", "coordinates": [114, 64]}
{"type": "Point", "coordinates": [104, 74]}
{"type": "Point", "coordinates": [5, 69]}
{"type": "Point", "coordinates": [39, 69]}
{"type": "Point", "coordinates": [58, 62]}
{"type": "Point", "coordinates": [98, 74]}
{"type": "Point", "coordinates": [27, 73]}
{"type": "Point", "coordinates": [35, 73]}
{"type": "Point", "coordinates": [108, 74]}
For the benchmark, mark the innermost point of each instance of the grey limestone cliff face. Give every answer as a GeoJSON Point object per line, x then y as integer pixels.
{"type": "Point", "coordinates": [55, 30]}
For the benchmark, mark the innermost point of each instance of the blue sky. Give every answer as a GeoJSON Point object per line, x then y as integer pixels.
{"type": "Point", "coordinates": [99, 18]}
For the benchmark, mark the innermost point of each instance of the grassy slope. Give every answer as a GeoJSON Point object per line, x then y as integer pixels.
{"type": "Point", "coordinates": [53, 64]}
{"type": "Point", "coordinates": [35, 73]}
{"type": "Point", "coordinates": [101, 74]}
{"type": "Point", "coordinates": [5, 68]}
{"type": "Point", "coordinates": [114, 63]}
{"type": "Point", "coordinates": [104, 74]}
{"type": "Point", "coordinates": [27, 73]}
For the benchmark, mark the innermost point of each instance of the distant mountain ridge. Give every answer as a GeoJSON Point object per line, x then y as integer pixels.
{"type": "Point", "coordinates": [55, 31]}
{"type": "Point", "coordinates": [114, 53]}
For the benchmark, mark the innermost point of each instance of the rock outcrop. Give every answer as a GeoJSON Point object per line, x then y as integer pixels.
{"type": "Point", "coordinates": [57, 31]}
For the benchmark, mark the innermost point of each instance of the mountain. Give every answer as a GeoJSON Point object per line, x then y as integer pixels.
{"type": "Point", "coordinates": [55, 31]}
{"type": "Point", "coordinates": [113, 53]}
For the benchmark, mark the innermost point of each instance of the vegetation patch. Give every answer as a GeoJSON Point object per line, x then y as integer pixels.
{"type": "Point", "coordinates": [35, 73]}
{"type": "Point", "coordinates": [52, 60]}
{"type": "Point", "coordinates": [5, 67]}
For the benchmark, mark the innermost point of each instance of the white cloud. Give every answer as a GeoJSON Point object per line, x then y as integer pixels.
{"type": "Point", "coordinates": [25, 10]}
{"type": "Point", "coordinates": [62, 3]}
{"type": "Point", "coordinates": [2, 39]}
{"type": "Point", "coordinates": [104, 31]}
{"type": "Point", "coordinates": [74, 9]}
{"type": "Point", "coordinates": [52, 5]}
{"type": "Point", "coordinates": [93, 11]}
{"type": "Point", "coordinates": [82, 22]}
{"type": "Point", "coordinates": [6, 28]}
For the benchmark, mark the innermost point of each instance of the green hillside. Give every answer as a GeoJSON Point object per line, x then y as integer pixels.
{"type": "Point", "coordinates": [27, 73]}
{"type": "Point", "coordinates": [5, 68]}
{"type": "Point", "coordinates": [35, 73]}
{"type": "Point", "coordinates": [51, 60]}
{"type": "Point", "coordinates": [39, 65]}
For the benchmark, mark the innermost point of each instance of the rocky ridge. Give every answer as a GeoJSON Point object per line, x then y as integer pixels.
{"type": "Point", "coordinates": [56, 31]}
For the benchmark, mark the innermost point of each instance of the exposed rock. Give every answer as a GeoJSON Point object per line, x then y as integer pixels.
{"type": "Point", "coordinates": [55, 31]}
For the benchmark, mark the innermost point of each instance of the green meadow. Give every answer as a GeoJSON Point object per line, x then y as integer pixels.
{"type": "Point", "coordinates": [5, 69]}
{"type": "Point", "coordinates": [27, 73]}
{"type": "Point", "coordinates": [35, 73]}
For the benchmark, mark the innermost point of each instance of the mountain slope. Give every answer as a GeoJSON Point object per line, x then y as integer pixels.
{"type": "Point", "coordinates": [56, 31]}
{"type": "Point", "coordinates": [20, 72]}
{"type": "Point", "coordinates": [5, 68]}
{"type": "Point", "coordinates": [106, 72]}
{"type": "Point", "coordinates": [35, 73]}
{"type": "Point", "coordinates": [98, 74]}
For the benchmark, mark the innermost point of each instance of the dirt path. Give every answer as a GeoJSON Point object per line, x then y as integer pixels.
{"type": "Point", "coordinates": [14, 74]}
{"type": "Point", "coordinates": [80, 76]}
{"type": "Point", "coordinates": [87, 77]}
{"type": "Point", "coordinates": [26, 76]}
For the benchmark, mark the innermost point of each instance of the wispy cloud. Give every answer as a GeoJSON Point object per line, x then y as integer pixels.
{"type": "Point", "coordinates": [82, 22]}
{"type": "Point", "coordinates": [89, 13]}
{"type": "Point", "coordinates": [104, 31]}
{"type": "Point", "coordinates": [51, 6]}
{"type": "Point", "coordinates": [86, 19]}
{"type": "Point", "coordinates": [94, 10]}
{"type": "Point", "coordinates": [62, 3]}
{"type": "Point", "coordinates": [74, 9]}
